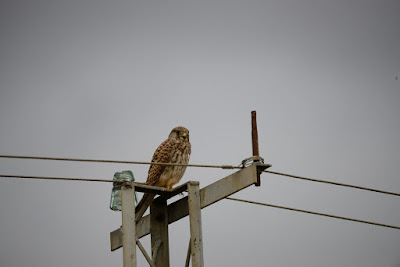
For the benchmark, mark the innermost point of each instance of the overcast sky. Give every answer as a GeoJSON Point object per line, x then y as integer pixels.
{"type": "Point", "coordinates": [110, 79]}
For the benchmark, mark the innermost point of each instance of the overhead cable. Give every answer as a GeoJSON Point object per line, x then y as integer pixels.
{"type": "Point", "coordinates": [121, 161]}
{"type": "Point", "coordinates": [333, 183]}
{"type": "Point", "coordinates": [312, 212]}
{"type": "Point", "coordinates": [58, 178]}
{"type": "Point", "coordinates": [201, 165]}
{"type": "Point", "coordinates": [230, 198]}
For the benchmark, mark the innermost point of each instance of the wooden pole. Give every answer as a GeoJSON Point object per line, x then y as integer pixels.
{"type": "Point", "coordinates": [159, 232]}
{"type": "Point", "coordinates": [128, 225]}
{"type": "Point", "coordinates": [196, 236]}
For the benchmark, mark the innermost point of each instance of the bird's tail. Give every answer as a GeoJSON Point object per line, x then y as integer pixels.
{"type": "Point", "coordinates": [143, 205]}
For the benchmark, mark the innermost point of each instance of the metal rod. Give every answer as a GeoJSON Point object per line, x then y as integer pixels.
{"type": "Point", "coordinates": [254, 133]}
{"type": "Point", "coordinates": [254, 138]}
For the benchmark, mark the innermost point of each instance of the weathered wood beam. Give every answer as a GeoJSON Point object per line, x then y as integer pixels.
{"type": "Point", "coordinates": [128, 225]}
{"type": "Point", "coordinates": [208, 195]}
{"type": "Point", "coordinates": [196, 233]}
{"type": "Point", "coordinates": [168, 193]}
{"type": "Point", "coordinates": [159, 232]}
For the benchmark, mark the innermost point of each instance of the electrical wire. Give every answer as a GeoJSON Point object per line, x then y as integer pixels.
{"type": "Point", "coordinates": [230, 198]}
{"type": "Point", "coordinates": [58, 178]}
{"type": "Point", "coordinates": [201, 165]}
{"type": "Point", "coordinates": [312, 212]}
{"type": "Point", "coordinates": [121, 161]}
{"type": "Point", "coordinates": [334, 183]}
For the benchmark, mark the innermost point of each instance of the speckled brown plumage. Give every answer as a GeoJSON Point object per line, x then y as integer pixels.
{"type": "Point", "coordinates": [176, 149]}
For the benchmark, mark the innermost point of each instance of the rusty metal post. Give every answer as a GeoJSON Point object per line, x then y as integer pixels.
{"type": "Point", "coordinates": [196, 235]}
{"type": "Point", "coordinates": [159, 232]}
{"type": "Point", "coordinates": [254, 133]}
{"type": "Point", "coordinates": [128, 225]}
{"type": "Point", "coordinates": [254, 138]}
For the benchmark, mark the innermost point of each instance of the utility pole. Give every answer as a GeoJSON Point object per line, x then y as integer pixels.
{"type": "Point", "coordinates": [128, 224]}
{"type": "Point", "coordinates": [196, 236]}
{"type": "Point", "coordinates": [159, 232]}
{"type": "Point", "coordinates": [161, 214]}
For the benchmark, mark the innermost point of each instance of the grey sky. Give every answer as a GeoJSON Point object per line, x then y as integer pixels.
{"type": "Point", "coordinates": [110, 79]}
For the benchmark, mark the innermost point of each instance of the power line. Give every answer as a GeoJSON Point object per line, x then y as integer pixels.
{"type": "Point", "coordinates": [58, 178]}
{"type": "Point", "coordinates": [230, 198]}
{"type": "Point", "coordinates": [312, 212]}
{"type": "Point", "coordinates": [121, 161]}
{"type": "Point", "coordinates": [334, 183]}
{"type": "Point", "coordinates": [200, 165]}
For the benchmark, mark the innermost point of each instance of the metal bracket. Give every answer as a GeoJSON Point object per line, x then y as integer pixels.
{"type": "Point", "coordinates": [248, 161]}
{"type": "Point", "coordinates": [260, 168]}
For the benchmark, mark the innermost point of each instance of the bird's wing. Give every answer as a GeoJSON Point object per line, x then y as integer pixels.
{"type": "Point", "coordinates": [162, 155]}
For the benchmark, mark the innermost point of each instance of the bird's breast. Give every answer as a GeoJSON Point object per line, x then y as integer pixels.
{"type": "Point", "coordinates": [171, 175]}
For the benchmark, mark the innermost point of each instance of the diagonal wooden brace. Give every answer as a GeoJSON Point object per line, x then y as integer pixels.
{"type": "Point", "coordinates": [147, 202]}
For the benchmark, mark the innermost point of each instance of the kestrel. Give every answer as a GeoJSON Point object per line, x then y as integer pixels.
{"type": "Point", "coordinates": [176, 149]}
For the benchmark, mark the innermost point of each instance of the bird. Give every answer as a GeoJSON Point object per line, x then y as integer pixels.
{"type": "Point", "coordinates": [175, 149]}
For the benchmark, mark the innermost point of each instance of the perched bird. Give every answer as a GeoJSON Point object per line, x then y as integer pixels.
{"type": "Point", "coordinates": [176, 149]}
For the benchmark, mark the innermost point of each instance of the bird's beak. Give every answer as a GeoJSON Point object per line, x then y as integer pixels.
{"type": "Point", "coordinates": [184, 135]}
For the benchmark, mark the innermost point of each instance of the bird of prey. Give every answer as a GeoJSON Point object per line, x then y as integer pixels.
{"type": "Point", "coordinates": [176, 149]}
